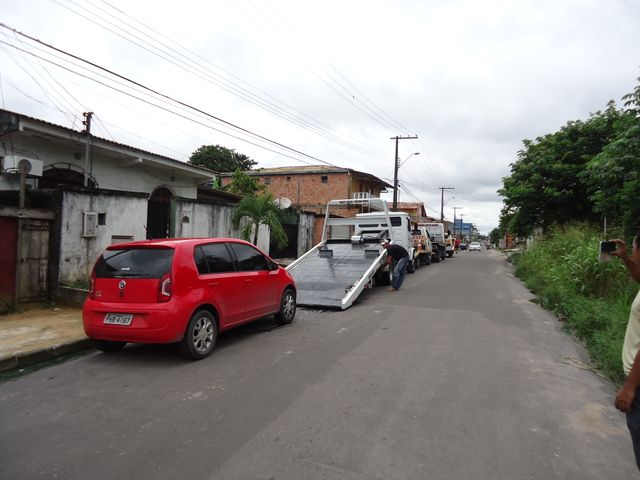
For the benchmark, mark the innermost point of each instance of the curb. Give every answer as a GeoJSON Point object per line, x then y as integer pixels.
{"type": "Point", "coordinates": [22, 359]}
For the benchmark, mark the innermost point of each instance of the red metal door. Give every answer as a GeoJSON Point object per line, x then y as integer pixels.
{"type": "Point", "coordinates": [8, 255]}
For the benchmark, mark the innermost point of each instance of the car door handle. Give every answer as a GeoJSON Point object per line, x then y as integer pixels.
{"type": "Point", "coordinates": [213, 284]}
{"type": "Point", "coordinates": [248, 281]}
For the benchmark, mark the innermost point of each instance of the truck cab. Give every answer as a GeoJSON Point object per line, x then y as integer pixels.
{"type": "Point", "coordinates": [400, 231]}
{"type": "Point", "coordinates": [438, 240]}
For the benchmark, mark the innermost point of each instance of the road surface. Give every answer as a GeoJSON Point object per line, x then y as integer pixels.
{"type": "Point", "coordinates": [456, 376]}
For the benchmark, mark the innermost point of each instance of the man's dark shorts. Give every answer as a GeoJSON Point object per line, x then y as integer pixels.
{"type": "Point", "coordinates": [633, 423]}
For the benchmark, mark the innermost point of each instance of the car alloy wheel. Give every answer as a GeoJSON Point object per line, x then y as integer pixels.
{"type": "Point", "coordinates": [287, 307]}
{"type": "Point", "coordinates": [200, 336]}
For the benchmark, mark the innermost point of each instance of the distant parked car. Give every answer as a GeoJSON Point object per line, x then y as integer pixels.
{"type": "Point", "coordinates": [184, 291]}
{"type": "Point", "coordinates": [474, 246]}
{"type": "Point", "coordinates": [463, 246]}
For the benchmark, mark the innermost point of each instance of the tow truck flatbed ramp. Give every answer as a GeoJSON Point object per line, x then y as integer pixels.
{"type": "Point", "coordinates": [325, 278]}
{"type": "Point", "coordinates": [334, 272]}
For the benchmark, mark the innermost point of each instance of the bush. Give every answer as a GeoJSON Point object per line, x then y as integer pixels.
{"type": "Point", "coordinates": [594, 298]}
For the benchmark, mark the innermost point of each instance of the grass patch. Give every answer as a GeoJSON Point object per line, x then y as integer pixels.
{"type": "Point", "coordinates": [594, 298]}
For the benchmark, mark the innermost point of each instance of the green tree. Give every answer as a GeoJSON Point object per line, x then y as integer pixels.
{"type": "Point", "coordinates": [546, 186]}
{"type": "Point", "coordinates": [220, 159]}
{"type": "Point", "coordinates": [253, 211]}
{"type": "Point", "coordinates": [614, 174]}
{"type": "Point", "coordinates": [495, 236]}
{"type": "Point", "coordinates": [243, 184]}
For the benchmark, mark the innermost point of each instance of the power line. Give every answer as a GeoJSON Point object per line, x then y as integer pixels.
{"type": "Point", "coordinates": [167, 97]}
{"type": "Point", "coordinates": [210, 76]}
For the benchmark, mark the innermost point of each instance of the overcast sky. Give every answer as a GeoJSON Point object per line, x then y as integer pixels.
{"type": "Point", "coordinates": [332, 81]}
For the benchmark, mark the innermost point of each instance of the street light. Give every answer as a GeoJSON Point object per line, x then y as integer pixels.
{"type": "Point", "coordinates": [395, 177]}
{"type": "Point", "coordinates": [405, 160]}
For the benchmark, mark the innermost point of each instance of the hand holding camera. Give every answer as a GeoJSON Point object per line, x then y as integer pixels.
{"type": "Point", "coordinates": [612, 248]}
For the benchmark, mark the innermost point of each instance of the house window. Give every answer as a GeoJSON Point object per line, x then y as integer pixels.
{"type": "Point", "coordinates": [288, 179]}
{"type": "Point", "coordinates": [267, 181]}
{"type": "Point", "coordinates": [102, 219]}
{"type": "Point", "coordinates": [324, 179]}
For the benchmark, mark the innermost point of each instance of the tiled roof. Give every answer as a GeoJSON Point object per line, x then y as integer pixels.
{"type": "Point", "coordinates": [311, 169]}
{"type": "Point", "coordinates": [111, 142]}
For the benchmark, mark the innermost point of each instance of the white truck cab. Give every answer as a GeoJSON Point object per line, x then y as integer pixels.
{"type": "Point", "coordinates": [400, 231]}
{"type": "Point", "coordinates": [439, 238]}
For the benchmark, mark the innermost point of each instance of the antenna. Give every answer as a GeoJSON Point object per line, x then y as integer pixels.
{"type": "Point", "coordinates": [282, 202]}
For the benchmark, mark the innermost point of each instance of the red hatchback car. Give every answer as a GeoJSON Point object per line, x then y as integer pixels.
{"type": "Point", "coordinates": [183, 290]}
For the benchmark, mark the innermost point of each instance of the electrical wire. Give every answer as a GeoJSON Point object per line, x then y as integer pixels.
{"type": "Point", "coordinates": [167, 97]}
{"type": "Point", "coordinates": [197, 69]}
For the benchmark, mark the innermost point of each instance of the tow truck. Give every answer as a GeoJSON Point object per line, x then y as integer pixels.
{"type": "Point", "coordinates": [350, 256]}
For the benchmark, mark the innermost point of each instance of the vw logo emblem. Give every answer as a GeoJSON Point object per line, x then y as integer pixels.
{"type": "Point", "coordinates": [122, 284]}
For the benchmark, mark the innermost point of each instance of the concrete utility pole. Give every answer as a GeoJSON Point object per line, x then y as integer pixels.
{"type": "Point", "coordinates": [87, 131]}
{"type": "Point", "coordinates": [455, 209]}
{"type": "Point", "coordinates": [442, 201]}
{"type": "Point", "coordinates": [396, 167]}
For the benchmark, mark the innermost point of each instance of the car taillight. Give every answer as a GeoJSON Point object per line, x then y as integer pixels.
{"type": "Point", "coordinates": [92, 285]}
{"type": "Point", "coordinates": [164, 290]}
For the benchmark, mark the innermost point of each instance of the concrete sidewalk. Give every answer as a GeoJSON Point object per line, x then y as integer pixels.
{"type": "Point", "coordinates": [38, 333]}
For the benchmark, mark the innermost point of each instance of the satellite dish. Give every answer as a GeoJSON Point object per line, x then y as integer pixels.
{"type": "Point", "coordinates": [282, 202]}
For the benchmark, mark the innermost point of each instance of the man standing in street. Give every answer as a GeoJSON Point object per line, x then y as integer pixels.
{"type": "Point", "coordinates": [401, 256]}
{"type": "Point", "coordinates": [628, 397]}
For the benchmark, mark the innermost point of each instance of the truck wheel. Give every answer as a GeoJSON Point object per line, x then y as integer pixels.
{"type": "Point", "coordinates": [428, 259]}
{"type": "Point", "coordinates": [411, 266]}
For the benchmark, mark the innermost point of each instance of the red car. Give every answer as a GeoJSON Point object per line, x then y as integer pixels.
{"type": "Point", "coordinates": [183, 290]}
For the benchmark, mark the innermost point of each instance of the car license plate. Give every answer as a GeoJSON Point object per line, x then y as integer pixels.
{"type": "Point", "coordinates": [118, 318]}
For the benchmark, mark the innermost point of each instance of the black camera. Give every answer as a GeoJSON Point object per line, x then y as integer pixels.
{"type": "Point", "coordinates": [608, 247]}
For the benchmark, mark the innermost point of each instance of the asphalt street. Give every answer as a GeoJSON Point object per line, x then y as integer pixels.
{"type": "Point", "coordinates": [456, 376]}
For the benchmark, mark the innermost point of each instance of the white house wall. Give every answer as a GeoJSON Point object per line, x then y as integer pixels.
{"type": "Point", "coordinates": [195, 219]}
{"type": "Point", "coordinates": [125, 216]}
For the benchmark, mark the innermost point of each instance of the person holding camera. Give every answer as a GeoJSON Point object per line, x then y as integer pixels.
{"type": "Point", "coordinates": [628, 397]}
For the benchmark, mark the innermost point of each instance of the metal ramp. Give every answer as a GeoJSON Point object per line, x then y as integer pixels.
{"type": "Point", "coordinates": [325, 278]}
{"type": "Point", "coordinates": [334, 272]}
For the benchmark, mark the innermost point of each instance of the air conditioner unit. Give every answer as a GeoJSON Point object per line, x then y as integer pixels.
{"type": "Point", "coordinates": [89, 224]}
{"type": "Point", "coordinates": [11, 164]}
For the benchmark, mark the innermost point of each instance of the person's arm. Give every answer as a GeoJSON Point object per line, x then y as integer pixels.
{"type": "Point", "coordinates": [621, 252]}
{"type": "Point", "coordinates": [626, 395]}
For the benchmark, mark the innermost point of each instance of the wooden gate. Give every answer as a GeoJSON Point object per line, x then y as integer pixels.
{"type": "Point", "coordinates": [33, 260]}
{"type": "Point", "coordinates": [8, 255]}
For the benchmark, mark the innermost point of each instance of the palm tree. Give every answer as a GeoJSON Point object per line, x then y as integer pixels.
{"type": "Point", "coordinates": [253, 211]}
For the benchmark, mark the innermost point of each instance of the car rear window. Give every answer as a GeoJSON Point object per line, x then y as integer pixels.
{"type": "Point", "coordinates": [138, 262]}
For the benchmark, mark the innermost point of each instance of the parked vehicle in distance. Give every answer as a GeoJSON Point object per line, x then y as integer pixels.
{"type": "Point", "coordinates": [182, 291]}
{"type": "Point", "coordinates": [438, 240]}
{"type": "Point", "coordinates": [463, 246]}
{"type": "Point", "coordinates": [475, 246]}
{"type": "Point", "coordinates": [422, 246]}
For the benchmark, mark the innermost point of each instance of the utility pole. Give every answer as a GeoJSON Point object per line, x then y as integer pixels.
{"type": "Point", "coordinates": [87, 131]}
{"type": "Point", "coordinates": [442, 202]}
{"type": "Point", "coordinates": [396, 166]}
{"type": "Point", "coordinates": [454, 218]}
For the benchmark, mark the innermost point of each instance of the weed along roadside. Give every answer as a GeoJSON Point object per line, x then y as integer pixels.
{"type": "Point", "coordinates": [593, 298]}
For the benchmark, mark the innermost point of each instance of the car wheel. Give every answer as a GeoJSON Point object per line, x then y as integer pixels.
{"type": "Point", "coordinates": [200, 336]}
{"type": "Point", "coordinates": [107, 346]}
{"type": "Point", "coordinates": [287, 307]}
